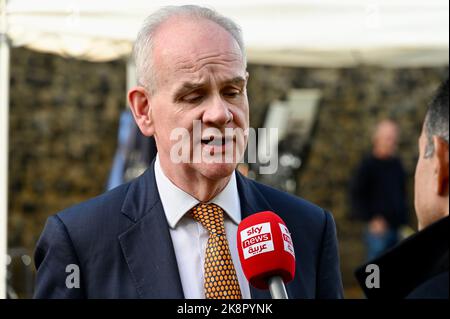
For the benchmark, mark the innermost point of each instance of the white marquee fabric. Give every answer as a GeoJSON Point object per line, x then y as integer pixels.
{"type": "Point", "coordinates": [287, 32]}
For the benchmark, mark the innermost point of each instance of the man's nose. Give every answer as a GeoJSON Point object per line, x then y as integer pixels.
{"type": "Point", "coordinates": [217, 113]}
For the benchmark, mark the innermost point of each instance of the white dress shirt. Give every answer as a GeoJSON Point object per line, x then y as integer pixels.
{"type": "Point", "coordinates": [189, 238]}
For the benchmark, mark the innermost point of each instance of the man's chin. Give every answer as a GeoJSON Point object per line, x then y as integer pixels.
{"type": "Point", "coordinates": [216, 171]}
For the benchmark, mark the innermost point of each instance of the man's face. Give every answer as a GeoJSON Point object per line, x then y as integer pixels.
{"type": "Point", "coordinates": [200, 76]}
{"type": "Point", "coordinates": [424, 185]}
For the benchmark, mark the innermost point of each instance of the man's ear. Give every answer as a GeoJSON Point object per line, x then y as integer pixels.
{"type": "Point", "coordinates": [140, 106]}
{"type": "Point", "coordinates": [441, 165]}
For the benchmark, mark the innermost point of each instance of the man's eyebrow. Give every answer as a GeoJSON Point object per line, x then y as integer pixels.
{"type": "Point", "coordinates": [236, 80]}
{"type": "Point", "coordinates": [188, 86]}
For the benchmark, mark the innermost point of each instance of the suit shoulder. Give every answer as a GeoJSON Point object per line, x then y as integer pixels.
{"type": "Point", "coordinates": [290, 204]}
{"type": "Point", "coordinates": [433, 288]}
{"type": "Point", "coordinates": [97, 208]}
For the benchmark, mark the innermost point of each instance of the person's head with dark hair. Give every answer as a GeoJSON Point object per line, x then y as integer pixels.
{"type": "Point", "coordinates": [432, 171]}
{"type": "Point", "coordinates": [436, 120]}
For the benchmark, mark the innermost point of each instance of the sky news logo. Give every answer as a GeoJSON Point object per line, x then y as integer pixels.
{"type": "Point", "coordinates": [256, 240]}
{"type": "Point", "coordinates": [287, 240]}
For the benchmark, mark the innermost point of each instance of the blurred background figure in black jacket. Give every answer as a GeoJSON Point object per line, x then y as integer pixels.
{"type": "Point", "coordinates": [378, 191]}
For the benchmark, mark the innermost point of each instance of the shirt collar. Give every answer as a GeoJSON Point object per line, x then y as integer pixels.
{"type": "Point", "coordinates": [176, 202]}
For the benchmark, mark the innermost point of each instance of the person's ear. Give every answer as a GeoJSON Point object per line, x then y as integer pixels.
{"type": "Point", "coordinates": [141, 108]}
{"type": "Point", "coordinates": [441, 165]}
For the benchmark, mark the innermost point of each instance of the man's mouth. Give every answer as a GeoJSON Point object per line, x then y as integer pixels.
{"type": "Point", "coordinates": [215, 140]}
{"type": "Point", "coordinates": [217, 144]}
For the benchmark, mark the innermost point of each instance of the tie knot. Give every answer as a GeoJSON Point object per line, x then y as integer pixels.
{"type": "Point", "coordinates": [210, 216]}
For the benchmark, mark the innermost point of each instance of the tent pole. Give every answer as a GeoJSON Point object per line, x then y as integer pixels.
{"type": "Point", "coordinates": [4, 128]}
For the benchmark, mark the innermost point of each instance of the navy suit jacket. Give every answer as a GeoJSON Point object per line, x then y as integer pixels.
{"type": "Point", "coordinates": [121, 243]}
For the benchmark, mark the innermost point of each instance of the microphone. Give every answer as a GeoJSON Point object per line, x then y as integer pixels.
{"type": "Point", "coordinates": [266, 252]}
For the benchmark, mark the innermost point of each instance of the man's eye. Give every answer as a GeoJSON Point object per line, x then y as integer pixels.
{"type": "Point", "coordinates": [232, 93]}
{"type": "Point", "coordinates": [193, 98]}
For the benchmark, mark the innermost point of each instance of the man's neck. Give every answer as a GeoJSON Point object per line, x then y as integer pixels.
{"type": "Point", "coordinates": [203, 189]}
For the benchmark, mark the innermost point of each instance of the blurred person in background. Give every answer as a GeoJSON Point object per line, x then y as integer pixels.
{"type": "Point", "coordinates": [418, 268]}
{"type": "Point", "coordinates": [378, 191]}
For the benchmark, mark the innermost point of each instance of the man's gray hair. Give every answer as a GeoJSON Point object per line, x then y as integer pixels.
{"type": "Point", "coordinates": [143, 46]}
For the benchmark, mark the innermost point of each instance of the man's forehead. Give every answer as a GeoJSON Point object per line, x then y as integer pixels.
{"type": "Point", "coordinates": [198, 68]}
{"type": "Point", "coordinates": [422, 138]}
{"type": "Point", "coordinates": [192, 85]}
{"type": "Point", "coordinates": [193, 61]}
{"type": "Point", "coordinates": [179, 39]}
{"type": "Point", "coordinates": [423, 134]}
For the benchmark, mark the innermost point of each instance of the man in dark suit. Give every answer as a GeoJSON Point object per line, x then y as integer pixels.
{"type": "Point", "coordinates": [419, 266]}
{"type": "Point", "coordinates": [156, 237]}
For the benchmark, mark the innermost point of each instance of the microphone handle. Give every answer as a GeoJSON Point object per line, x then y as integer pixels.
{"type": "Point", "coordinates": [277, 288]}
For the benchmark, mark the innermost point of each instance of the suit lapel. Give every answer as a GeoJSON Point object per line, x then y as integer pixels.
{"type": "Point", "coordinates": [252, 202]}
{"type": "Point", "coordinates": [147, 245]}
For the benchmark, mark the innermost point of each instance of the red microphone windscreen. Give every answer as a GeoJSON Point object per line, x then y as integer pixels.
{"type": "Point", "coordinates": [265, 249]}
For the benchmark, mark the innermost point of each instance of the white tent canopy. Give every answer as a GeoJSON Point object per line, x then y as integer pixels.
{"type": "Point", "coordinates": [314, 33]}
{"type": "Point", "coordinates": [285, 32]}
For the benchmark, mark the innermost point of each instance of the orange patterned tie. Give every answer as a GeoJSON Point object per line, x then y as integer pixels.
{"type": "Point", "coordinates": [220, 276]}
